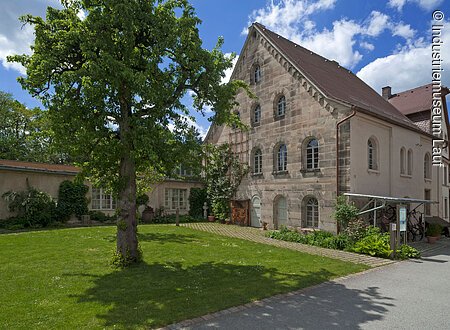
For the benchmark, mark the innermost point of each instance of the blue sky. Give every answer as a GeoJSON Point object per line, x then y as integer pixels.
{"type": "Point", "coordinates": [383, 42]}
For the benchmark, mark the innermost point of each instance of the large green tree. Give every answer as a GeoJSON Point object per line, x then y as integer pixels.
{"type": "Point", "coordinates": [25, 133]}
{"type": "Point", "coordinates": [113, 74]}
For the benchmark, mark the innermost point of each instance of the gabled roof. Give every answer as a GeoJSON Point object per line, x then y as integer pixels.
{"type": "Point", "coordinates": [415, 100]}
{"type": "Point", "coordinates": [38, 167]}
{"type": "Point", "coordinates": [335, 81]}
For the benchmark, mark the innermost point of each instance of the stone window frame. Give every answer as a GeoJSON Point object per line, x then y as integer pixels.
{"type": "Point", "coordinates": [427, 166]}
{"type": "Point", "coordinates": [253, 161]}
{"type": "Point", "coordinates": [311, 212]}
{"type": "Point", "coordinates": [253, 115]}
{"type": "Point", "coordinates": [256, 65]}
{"type": "Point", "coordinates": [409, 162]}
{"type": "Point", "coordinates": [315, 155]}
{"type": "Point", "coordinates": [402, 161]}
{"type": "Point", "coordinates": [276, 158]}
{"type": "Point", "coordinates": [276, 108]}
{"type": "Point", "coordinates": [372, 154]}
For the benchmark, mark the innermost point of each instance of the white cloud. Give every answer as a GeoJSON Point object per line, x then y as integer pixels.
{"type": "Point", "coordinates": [17, 43]}
{"type": "Point", "coordinates": [377, 23]}
{"type": "Point", "coordinates": [367, 45]}
{"type": "Point", "coordinates": [15, 39]}
{"type": "Point", "coordinates": [292, 19]}
{"type": "Point", "coordinates": [424, 4]}
{"type": "Point", "coordinates": [229, 71]}
{"type": "Point", "coordinates": [408, 68]}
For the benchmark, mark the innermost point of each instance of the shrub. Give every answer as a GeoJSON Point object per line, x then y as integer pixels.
{"type": "Point", "coordinates": [374, 243]}
{"type": "Point", "coordinates": [72, 200]}
{"type": "Point", "coordinates": [172, 219]}
{"type": "Point", "coordinates": [197, 198]}
{"type": "Point", "coordinates": [142, 199]}
{"type": "Point", "coordinates": [356, 229]}
{"type": "Point", "coordinates": [101, 217]}
{"type": "Point", "coordinates": [34, 207]}
{"type": "Point", "coordinates": [316, 238]}
{"type": "Point", "coordinates": [406, 252]}
{"type": "Point", "coordinates": [344, 211]}
{"type": "Point", "coordinates": [434, 229]}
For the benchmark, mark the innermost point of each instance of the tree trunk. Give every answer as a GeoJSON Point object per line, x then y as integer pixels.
{"type": "Point", "coordinates": [127, 243]}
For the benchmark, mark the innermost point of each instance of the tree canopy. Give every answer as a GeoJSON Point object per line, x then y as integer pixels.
{"type": "Point", "coordinates": [113, 80]}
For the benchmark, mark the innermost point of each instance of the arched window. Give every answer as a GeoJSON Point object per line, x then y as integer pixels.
{"type": "Point", "coordinates": [312, 154]}
{"type": "Point", "coordinates": [281, 158]}
{"type": "Point", "coordinates": [257, 114]}
{"type": "Point", "coordinates": [410, 162]}
{"type": "Point", "coordinates": [257, 74]}
{"type": "Point", "coordinates": [402, 160]}
{"type": "Point", "coordinates": [257, 162]}
{"type": "Point", "coordinates": [281, 106]}
{"type": "Point", "coordinates": [372, 154]}
{"type": "Point", "coordinates": [312, 212]}
{"type": "Point", "coordinates": [427, 166]}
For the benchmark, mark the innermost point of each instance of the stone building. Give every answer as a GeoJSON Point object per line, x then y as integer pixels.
{"type": "Point", "coordinates": [316, 131]}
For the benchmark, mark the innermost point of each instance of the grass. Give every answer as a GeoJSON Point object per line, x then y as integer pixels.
{"type": "Point", "coordinates": [62, 278]}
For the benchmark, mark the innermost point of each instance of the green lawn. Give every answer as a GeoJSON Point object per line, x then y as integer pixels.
{"type": "Point", "coordinates": [61, 279]}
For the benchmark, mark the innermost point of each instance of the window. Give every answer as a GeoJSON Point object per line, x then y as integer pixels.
{"type": "Point", "coordinates": [312, 212]}
{"type": "Point", "coordinates": [402, 161]}
{"type": "Point", "coordinates": [175, 198]}
{"type": "Point", "coordinates": [312, 155]}
{"type": "Point", "coordinates": [257, 162]}
{"type": "Point", "coordinates": [257, 74]}
{"type": "Point", "coordinates": [101, 200]}
{"type": "Point", "coordinates": [372, 154]}
{"type": "Point", "coordinates": [427, 196]}
{"type": "Point", "coordinates": [281, 106]}
{"type": "Point", "coordinates": [427, 166]}
{"type": "Point", "coordinates": [183, 171]}
{"type": "Point", "coordinates": [410, 161]}
{"type": "Point", "coordinates": [281, 158]}
{"type": "Point", "coordinates": [445, 207]}
{"type": "Point", "coordinates": [257, 114]}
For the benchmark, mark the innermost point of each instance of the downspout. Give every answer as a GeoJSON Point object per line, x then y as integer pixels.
{"type": "Point", "coordinates": [337, 153]}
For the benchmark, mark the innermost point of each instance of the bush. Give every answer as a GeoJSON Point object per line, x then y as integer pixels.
{"type": "Point", "coordinates": [356, 229]}
{"type": "Point", "coordinates": [34, 208]}
{"type": "Point", "coordinates": [406, 252]}
{"type": "Point", "coordinates": [434, 230]}
{"type": "Point", "coordinates": [344, 212]}
{"type": "Point", "coordinates": [374, 243]}
{"type": "Point", "coordinates": [101, 217]}
{"type": "Point", "coordinates": [197, 198]}
{"type": "Point", "coordinates": [72, 200]}
{"type": "Point", "coordinates": [173, 218]}
{"type": "Point", "coordinates": [316, 238]}
{"type": "Point", "coordinates": [142, 199]}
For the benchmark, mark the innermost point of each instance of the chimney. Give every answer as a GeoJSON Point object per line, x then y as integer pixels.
{"type": "Point", "coordinates": [386, 92]}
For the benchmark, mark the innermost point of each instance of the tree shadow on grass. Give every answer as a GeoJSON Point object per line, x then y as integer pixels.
{"type": "Point", "coordinates": [151, 295]}
{"type": "Point", "coordinates": [161, 238]}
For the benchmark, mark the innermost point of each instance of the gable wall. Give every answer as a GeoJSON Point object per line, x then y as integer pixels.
{"type": "Point", "coordinates": [305, 117]}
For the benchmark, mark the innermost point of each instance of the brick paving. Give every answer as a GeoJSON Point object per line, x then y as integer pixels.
{"type": "Point", "coordinates": [257, 235]}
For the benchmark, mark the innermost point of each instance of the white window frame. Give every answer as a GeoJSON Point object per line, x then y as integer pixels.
{"type": "Point", "coordinates": [312, 155]}
{"type": "Point", "coordinates": [105, 200]}
{"type": "Point", "coordinates": [312, 212]}
{"type": "Point", "coordinates": [257, 162]}
{"type": "Point", "coordinates": [175, 198]}
{"type": "Point", "coordinates": [281, 158]}
{"type": "Point", "coordinates": [281, 106]}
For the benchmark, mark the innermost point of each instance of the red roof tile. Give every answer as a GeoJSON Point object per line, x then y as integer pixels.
{"type": "Point", "coordinates": [335, 81]}
{"type": "Point", "coordinates": [38, 167]}
{"type": "Point", "coordinates": [414, 100]}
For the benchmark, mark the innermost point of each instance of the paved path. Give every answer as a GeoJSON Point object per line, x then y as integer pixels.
{"type": "Point", "coordinates": [403, 295]}
{"type": "Point", "coordinates": [257, 235]}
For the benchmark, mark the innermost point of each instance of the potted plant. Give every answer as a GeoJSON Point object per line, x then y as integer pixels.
{"type": "Point", "coordinates": [211, 218]}
{"type": "Point", "coordinates": [434, 230]}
